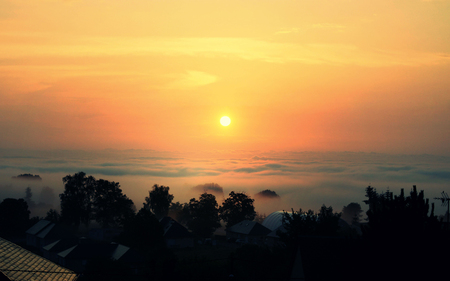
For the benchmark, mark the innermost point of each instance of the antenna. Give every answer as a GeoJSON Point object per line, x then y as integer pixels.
{"type": "Point", "coordinates": [445, 201]}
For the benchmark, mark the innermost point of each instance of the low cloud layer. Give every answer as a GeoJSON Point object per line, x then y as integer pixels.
{"type": "Point", "coordinates": [302, 179]}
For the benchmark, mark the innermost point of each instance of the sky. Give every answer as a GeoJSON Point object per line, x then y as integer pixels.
{"type": "Point", "coordinates": [322, 95]}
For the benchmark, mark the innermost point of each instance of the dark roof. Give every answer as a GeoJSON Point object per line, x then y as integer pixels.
{"type": "Point", "coordinates": [19, 264]}
{"type": "Point", "coordinates": [89, 251]}
{"type": "Point", "coordinates": [94, 250]}
{"type": "Point", "coordinates": [174, 230]}
{"type": "Point", "coordinates": [39, 226]}
{"type": "Point", "coordinates": [61, 245]}
{"type": "Point", "coordinates": [249, 228]}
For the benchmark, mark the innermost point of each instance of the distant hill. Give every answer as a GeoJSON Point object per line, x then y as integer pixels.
{"type": "Point", "coordinates": [27, 177]}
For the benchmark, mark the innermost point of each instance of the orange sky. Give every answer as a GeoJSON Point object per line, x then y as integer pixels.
{"type": "Point", "coordinates": [325, 75]}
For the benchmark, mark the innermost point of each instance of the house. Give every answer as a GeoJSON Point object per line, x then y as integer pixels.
{"type": "Point", "coordinates": [51, 250]}
{"type": "Point", "coordinates": [250, 232]}
{"type": "Point", "coordinates": [45, 232]}
{"type": "Point", "coordinates": [32, 232]}
{"type": "Point", "coordinates": [19, 264]}
{"type": "Point", "coordinates": [176, 235]}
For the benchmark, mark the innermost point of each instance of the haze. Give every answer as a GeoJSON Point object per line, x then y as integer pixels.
{"type": "Point", "coordinates": [84, 82]}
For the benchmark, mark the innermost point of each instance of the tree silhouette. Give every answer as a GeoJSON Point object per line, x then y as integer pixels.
{"type": "Point", "coordinates": [111, 206]}
{"type": "Point", "coordinates": [143, 232]}
{"type": "Point", "coordinates": [85, 198]}
{"type": "Point", "coordinates": [53, 216]}
{"type": "Point", "coordinates": [76, 201]}
{"type": "Point", "coordinates": [296, 224]}
{"type": "Point", "coordinates": [402, 231]}
{"type": "Point", "coordinates": [392, 217]}
{"type": "Point", "coordinates": [204, 215]}
{"type": "Point", "coordinates": [352, 213]}
{"type": "Point", "coordinates": [159, 200]}
{"type": "Point", "coordinates": [180, 212]}
{"type": "Point", "coordinates": [236, 208]}
{"type": "Point", "coordinates": [14, 217]}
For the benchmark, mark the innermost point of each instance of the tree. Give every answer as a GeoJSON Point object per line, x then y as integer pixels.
{"type": "Point", "coordinates": [143, 232]}
{"type": "Point", "coordinates": [53, 216]}
{"type": "Point", "coordinates": [85, 198]}
{"type": "Point", "coordinates": [328, 222]}
{"type": "Point", "coordinates": [180, 212]}
{"type": "Point", "coordinates": [352, 213]}
{"type": "Point", "coordinates": [392, 217]}
{"type": "Point", "coordinates": [14, 217]}
{"type": "Point", "coordinates": [76, 201]}
{"type": "Point", "coordinates": [204, 215]}
{"type": "Point", "coordinates": [296, 224]}
{"type": "Point", "coordinates": [111, 207]}
{"type": "Point", "coordinates": [159, 200]}
{"type": "Point", "coordinates": [236, 208]}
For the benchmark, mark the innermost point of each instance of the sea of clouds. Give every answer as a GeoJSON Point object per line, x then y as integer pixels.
{"type": "Point", "coordinates": [305, 180]}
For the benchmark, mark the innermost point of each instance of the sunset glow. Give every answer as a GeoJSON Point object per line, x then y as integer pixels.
{"type": "Point", "coordinates": [225, 121]}
{"type": "Point", "coordinates": [325, 76]}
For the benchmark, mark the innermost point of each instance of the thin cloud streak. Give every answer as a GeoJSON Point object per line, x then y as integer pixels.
{"type": "Point", "coordinates": [234, 48]}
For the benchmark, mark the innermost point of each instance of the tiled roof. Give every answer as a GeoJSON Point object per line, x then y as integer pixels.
{"type": "Point", "coordinates": [18, 264]}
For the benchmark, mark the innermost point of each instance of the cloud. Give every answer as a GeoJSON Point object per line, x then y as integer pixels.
{"type": "Point", "coordinates": [436, 175]}
{"type": "Point", "coordinates": [211, 188]}
{"type": "Point", "coordinates": [267, 194]}
{"type": "Point", "coordinates": [395, 169]}
{"type": "Point", "coordinates": [191, 79]}
{"type": "Point", "coordinates": [226, 47]}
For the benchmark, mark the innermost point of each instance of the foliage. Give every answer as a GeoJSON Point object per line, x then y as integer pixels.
{"type": "Point", "coordinates": [111, 206]}
{"type": "Point", "coordinates": [85, 198]}
{"type": "Point", "coordinates": [296, 224]}
{"type": "Point", "coordinates": [143, 232]}
{"type": "Point", "coordinates": [402, 230]}
{"type": "Point", "coordinates": [236, 208]}
{"type": "Point", "coordinates": [159, 200]}
{"type": "Point", "coordinates": [260, 217]}
{"type": "Point", "coordinates": [14, 217]}
{"type": "Point", "coordinates": [352, 213]}
{"type": "Point", "coordinates": [53, 216]}
{"type": "Point", "coordinates": [180, 212]}
{"type": "Point", "coordinates": [399, 216]}
{"type": "Point", "coordinates": [76, 201]}
{"type": "Point", "coordinates": [204, 215]}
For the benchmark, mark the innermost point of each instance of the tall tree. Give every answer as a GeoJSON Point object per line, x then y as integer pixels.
{"type": "Point", "coordinates": [352, 213]}
{"type": "Point", "coordinates": [236, 208]}
{"type": "Point", "coordinates": [328, 222]}
{"type": "Point", "coordinates": [204, 215]}
{"type": "Point", "coordinates": [111, 206]}
{"type": "Point", "coordinates": [399, 216]}
{"type": "Point", "coordinates": [296, 224]}
{"type": "Point", "coordinates": [158, 200]}
{"type": "Point", "coordinates": [76, 201]}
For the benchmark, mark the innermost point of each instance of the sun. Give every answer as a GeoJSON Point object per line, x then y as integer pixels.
{"type": "Point", "coordinates": [225, 121]}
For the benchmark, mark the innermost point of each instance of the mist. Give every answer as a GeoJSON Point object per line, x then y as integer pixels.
{"type": "Point", "coordinates": [305, 180]}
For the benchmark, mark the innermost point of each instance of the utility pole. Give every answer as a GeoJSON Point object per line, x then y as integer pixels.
{"type": "Point", "coordinates": [445, 201]}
